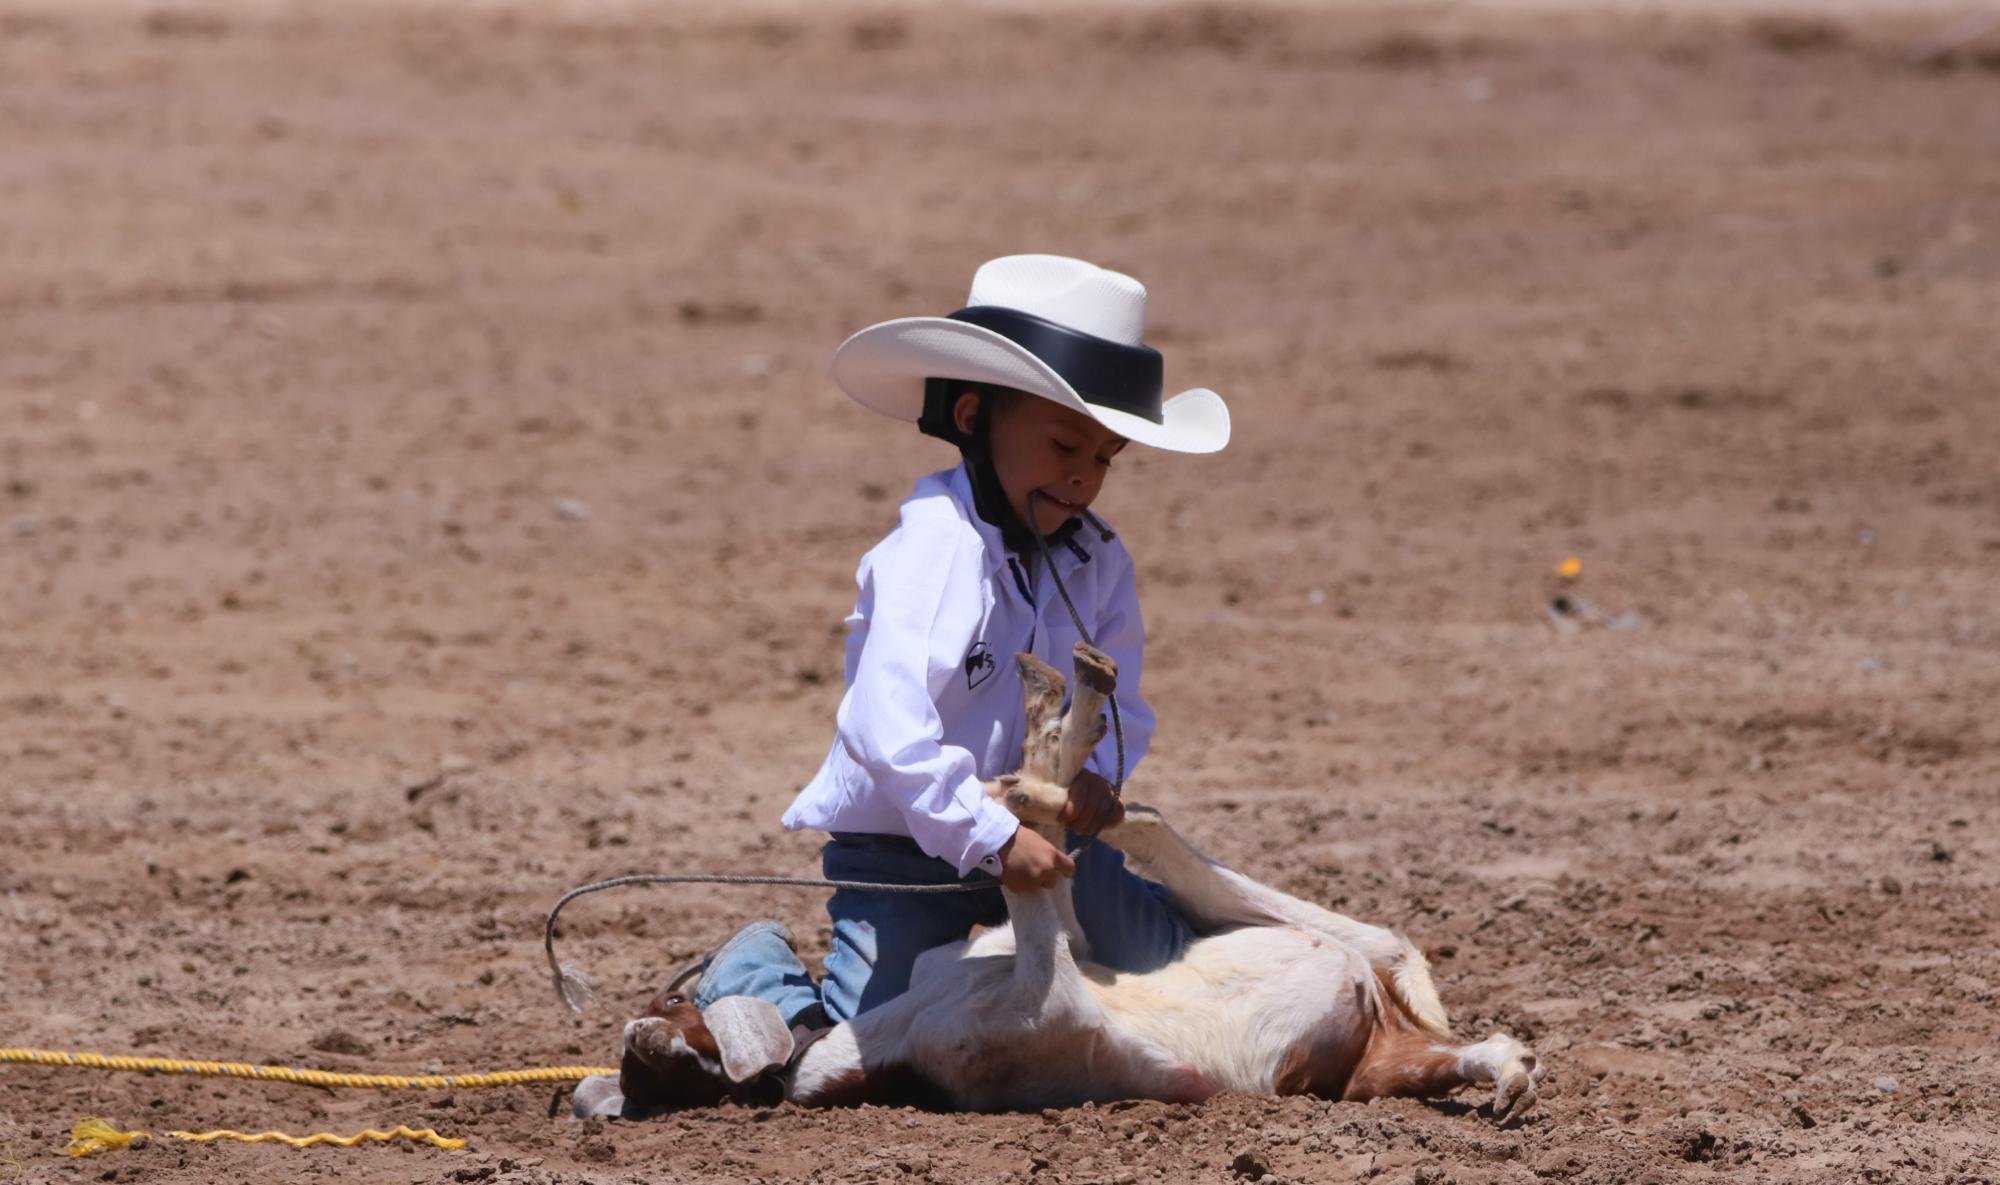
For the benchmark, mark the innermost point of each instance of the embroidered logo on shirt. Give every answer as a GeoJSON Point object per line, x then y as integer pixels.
{"type": "Point", "coordinates": [979, 665]}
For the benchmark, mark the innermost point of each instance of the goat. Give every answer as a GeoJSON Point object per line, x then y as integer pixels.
{"type": "Point", "coordinates": [1275, 995]}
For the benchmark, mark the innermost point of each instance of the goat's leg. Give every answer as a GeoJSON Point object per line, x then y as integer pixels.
{"type": "Point", "coordinates": [1041, 702]}
{"type": "Point", "coordinates": [1407, 1063]}
{"type": "Point", "coordinates": [1083, 727]}
{"type": "Point", "coordinates": [1042, 954]}
{"type": "Point", "coordinates": [1063, 1023]}
{"type": "Point", "coordinates": [1029, 799]}
{"type": "Point", "coordinates": [1212, 895]}
{"type": "Point", "coordinates": [1033, 798]}
{"type": "Point", "coordinates": [1056, 744]}
{"type": "Point", "coordinates": [1032, 792]}
{"type": "Point", "coordinates": [1054, 751]}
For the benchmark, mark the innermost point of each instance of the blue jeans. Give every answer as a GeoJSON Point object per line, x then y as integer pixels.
{"type": "Point", "coordinates": [1129, 921]}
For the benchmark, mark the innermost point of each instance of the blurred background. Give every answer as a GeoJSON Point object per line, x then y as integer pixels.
{"type": "Point", "coordinates": [421, 491]}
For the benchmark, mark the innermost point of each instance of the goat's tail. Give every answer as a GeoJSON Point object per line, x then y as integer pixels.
{"type": "Point", "coordinates": [1411, 977]}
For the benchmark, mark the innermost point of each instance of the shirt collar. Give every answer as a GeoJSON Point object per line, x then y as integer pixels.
{"type": "Point", "coordinates": [1071, 547]}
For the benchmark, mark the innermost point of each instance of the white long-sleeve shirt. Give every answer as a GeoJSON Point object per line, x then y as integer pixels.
{"type": "Point", "coordinates": [933, 703]}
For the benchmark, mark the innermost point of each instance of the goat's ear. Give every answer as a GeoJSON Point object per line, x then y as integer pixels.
{"type": "Point", "coordinates": [597, 1095]}
{"type": "Point", "coordinates": [750, 1034]}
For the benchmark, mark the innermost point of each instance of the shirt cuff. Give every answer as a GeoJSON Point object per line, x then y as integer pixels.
{"type": "Point", "coordinates": [995, 827]}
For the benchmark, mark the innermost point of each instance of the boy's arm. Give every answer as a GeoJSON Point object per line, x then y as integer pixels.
{"type": "Point", "coordinates": [924, 614]}
{"type": "Point", "coordinates": [1121, 633]}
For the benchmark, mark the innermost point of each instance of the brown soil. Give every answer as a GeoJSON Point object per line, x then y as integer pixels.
{"type": "Point", "coordinates": [420, 493]}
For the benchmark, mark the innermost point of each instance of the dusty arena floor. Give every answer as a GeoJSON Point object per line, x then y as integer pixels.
{"type": "Point", "coordinates": [420, 493]}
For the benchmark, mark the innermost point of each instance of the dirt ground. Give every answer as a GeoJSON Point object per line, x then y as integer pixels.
{"type": "Point", "coordinates": [420, 493]}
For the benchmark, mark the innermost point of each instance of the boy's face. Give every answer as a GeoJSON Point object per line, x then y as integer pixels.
{"type": "Point", "coordinates": [1041, 446]}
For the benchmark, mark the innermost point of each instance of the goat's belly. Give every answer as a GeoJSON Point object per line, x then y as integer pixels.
{"type": "Point", "coordinates": [1236, 1003]}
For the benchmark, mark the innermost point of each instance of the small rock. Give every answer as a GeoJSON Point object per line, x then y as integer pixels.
{"type": "Point", "coordinates": [341, 1041]}
{"type": "Point", "coordinates": [1701, 1147]}
{"type": "Point", "coordinates": [573, 510]}
{"type": "Point", "coordinates": [1884, 1083]}
{"type": "Point", "coordinates": [1250, 1166]}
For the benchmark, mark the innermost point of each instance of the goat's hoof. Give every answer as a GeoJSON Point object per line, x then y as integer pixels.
{"type": "Point", "coordinates": [1095, 669]}
{"type": "Point", "coordinates": [1137, 817]}
{"type": "Point", "coordinates": [1031, 799]}
{"type": "Point", "coordinates": [1517, 1090]}
{"type": "Point", "coordinates": [1039, 678]}
{"type": "Point", "coordinates": [1513, 1099]}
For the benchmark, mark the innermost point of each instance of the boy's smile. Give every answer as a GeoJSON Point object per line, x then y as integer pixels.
{"type": "Point", "coordinates": [1039, 446]}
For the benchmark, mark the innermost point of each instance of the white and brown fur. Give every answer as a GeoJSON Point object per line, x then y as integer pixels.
{"type": "Point", "coordinates": [1275, 995]}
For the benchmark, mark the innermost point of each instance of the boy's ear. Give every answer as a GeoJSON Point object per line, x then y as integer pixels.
{"type": "Point", "coordinates": [965, 411]}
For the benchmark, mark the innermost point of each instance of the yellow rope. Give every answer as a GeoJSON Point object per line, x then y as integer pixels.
{"type": "Point", "coordinates": [92, 1136]}
{"type": "Point", "coordinates": [97, 1135]}
{"type": "Point", "coordinates": [165, 1065]}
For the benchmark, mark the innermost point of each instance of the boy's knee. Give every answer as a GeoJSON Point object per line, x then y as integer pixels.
{"type": "Point", "coordinates": [758, 960]}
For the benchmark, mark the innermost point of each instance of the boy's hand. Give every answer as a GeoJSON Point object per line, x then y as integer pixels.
{"type": "Point", "coordinates": [1092, 805]}
{"type": "Point", "coordinates": [1028, 861]}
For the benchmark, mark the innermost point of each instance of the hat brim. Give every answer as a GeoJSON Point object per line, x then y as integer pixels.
{"type": "Point", "coordinates": [883, 368]}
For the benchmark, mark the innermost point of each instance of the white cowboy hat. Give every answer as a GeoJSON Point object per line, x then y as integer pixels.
{"type": "Point", "coordinates": [1049, 325]}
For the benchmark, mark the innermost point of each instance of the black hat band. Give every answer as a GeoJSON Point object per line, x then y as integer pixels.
{"type": "Point", "coordinates": [1106, 373]}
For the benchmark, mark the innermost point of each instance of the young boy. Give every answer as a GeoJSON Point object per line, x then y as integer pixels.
{"type": "Point", "coordinates": [1041, 381]}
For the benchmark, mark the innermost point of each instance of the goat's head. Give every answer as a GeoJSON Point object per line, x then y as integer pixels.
{"type": "Point", "coordinates": [671, 1059]}
{"type": "Point", "coordinates": [675, 1057]}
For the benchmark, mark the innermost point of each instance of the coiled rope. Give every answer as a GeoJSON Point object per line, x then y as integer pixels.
{"type": "Point", "coordinates": [94, 1135]}
{"type": "Point", "coordinates": [167, 1065]}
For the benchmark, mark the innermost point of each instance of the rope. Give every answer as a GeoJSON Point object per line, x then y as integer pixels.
{"type": "Point", "coordinates": [163, 1065]}
{"type": "Point", "coordinates": [1076, 619]}
{"type": "Point", "coordinates": [91, 1136]}
{"type": "Point", "coordinates": [574, 986]}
